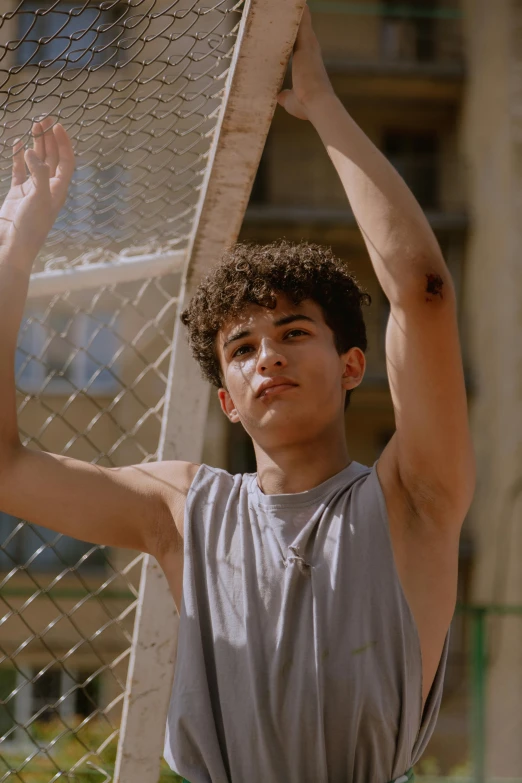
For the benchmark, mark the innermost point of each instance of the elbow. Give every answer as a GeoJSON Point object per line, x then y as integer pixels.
{"type": "Point", "coordinates": [438, 288]}
{"type": "Point", "coordinates": [430, 287]}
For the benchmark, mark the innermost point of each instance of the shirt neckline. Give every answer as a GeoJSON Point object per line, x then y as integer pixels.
{"type": "Point", "coordinates": [309, 496]}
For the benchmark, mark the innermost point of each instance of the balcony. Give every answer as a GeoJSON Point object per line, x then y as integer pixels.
{"type": "Point", "coordinates": [294, 198]}
{"type": "Point", "coordinates": [392, 42]}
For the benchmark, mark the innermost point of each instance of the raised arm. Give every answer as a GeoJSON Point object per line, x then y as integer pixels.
{"type": "Point", "coordinates": [139, 507]}
{"type": "Point", "coordinates": [431, 454]}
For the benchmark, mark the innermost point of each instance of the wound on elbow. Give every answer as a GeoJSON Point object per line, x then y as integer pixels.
{"type": "Point", "coordinates": [434, 287]}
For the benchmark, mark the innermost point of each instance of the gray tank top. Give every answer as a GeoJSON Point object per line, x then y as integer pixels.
{"type": "Point", "coordinates": [298, 656]}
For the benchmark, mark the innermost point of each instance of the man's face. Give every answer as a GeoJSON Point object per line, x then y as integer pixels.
{"type": "Point", "coordinates": [283, 378]}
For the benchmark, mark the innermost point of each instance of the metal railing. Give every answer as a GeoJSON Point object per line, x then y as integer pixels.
{"type": "Point", "coordinates": [466, 708]}
{"type": "Point", "coordinates": [478, 666]}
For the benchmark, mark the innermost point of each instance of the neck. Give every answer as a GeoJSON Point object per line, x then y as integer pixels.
{"type": "Point", "coordinates": [299, 467]}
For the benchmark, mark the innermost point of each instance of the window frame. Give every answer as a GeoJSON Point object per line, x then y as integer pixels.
{"type": "Point", "coordinates": [32, 31]}
{"type": "Point", "coordinates": [408, 160]}
{"type": "Point", "coordinates": [23, 709]}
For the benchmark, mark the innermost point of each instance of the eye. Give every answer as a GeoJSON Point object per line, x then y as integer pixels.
{"type": "Point", "coordinates": [296, 333]}
{"type": "Point", "coordinates": [242, 350]}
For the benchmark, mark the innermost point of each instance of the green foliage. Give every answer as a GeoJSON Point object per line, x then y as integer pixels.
{"type": "Point", "coordinates": [56, 750]}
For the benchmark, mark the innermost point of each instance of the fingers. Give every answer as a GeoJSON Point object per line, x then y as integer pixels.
{"type": "Point", "coordinates": [51, 147]}
{"type": "Point", "coordinates": [283, 96]}
{"type": "Point", "coordinates": [38, 169]}
{"type": "Point", "coordinates": [44, 143]}
{"type": "Point", "coordinates": [38, 140]}
{"type": "Point", "coordinates": [66, 162]}
{"type": "Point", "coordinates": [19, 173]}
{"type": "Point", "coordinates": [51, 158]}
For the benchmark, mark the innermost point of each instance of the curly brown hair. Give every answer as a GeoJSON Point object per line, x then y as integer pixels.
{"type": "Point", "coordinates": [256, 274]}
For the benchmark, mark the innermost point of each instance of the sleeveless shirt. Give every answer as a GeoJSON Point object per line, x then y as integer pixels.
{"type": "Point", "coordinates": [298, 656]}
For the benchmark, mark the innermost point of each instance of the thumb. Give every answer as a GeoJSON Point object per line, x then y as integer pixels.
{"type": "Point", "coordinates": [39, 171]}
{"type": "Point", "coordinates": [283, 97]}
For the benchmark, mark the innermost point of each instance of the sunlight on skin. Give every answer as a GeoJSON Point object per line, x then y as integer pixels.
{"type": "Point", "coordinates": [306, 415]}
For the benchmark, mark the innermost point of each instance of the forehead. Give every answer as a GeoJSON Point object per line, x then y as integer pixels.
{"type": "Point", "coordinates": [254, 316]}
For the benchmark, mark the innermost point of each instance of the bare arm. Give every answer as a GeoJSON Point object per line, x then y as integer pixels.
{"type": "Point", "coordinates": [431, 453]}
{"type": "Point", "coordinates": [139, 507]}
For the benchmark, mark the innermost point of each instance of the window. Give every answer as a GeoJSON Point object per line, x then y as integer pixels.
{"type": "Point", "coordinates": [46, 690]}
{"type": "Point", "coordinates": [41, 691]}
{"type": "Point", "coordinates": [21, 544]}
{"type": "Point", "coordinates": [66, 351]}
{"type": "Point", "coordinates": [68, 34]}
{"type": "Point", "coordinates": [408, 31]}
{"type": "Point", "coordinates": [7, 686]}
{"type": "Point", "coordinates": [415, 155]}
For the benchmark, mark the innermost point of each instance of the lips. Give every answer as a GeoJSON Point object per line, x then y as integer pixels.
{"type": "Point", "coordinates": [275, 386]}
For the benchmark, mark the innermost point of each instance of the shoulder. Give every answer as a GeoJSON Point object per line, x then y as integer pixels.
{"type": "Point", "coordinates": [214, 488]}
{"type": "Point", "coordinates": [209, 481]}
{"type": "Point", "coordinates": [169, 482]}
{"type": "Point", "coordinates": [172, 479]}
{"type": "Point", "coordinates": [181, 487]}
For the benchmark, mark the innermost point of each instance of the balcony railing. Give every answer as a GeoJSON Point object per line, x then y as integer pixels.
{"type": "Point", "coordinates": [393, 35]}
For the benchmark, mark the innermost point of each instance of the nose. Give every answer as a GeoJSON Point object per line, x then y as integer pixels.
{"type": "Point", "coordinates": [269, 357]}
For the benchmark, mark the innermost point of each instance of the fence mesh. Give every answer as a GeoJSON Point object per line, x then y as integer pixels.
{"type": "Point", "coordinates": [138, 85]}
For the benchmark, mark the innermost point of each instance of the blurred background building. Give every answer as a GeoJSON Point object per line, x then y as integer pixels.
{"type": "Point", "coordinates": [437, 86]}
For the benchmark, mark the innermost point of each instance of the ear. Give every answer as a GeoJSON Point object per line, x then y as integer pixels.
{"type": "Point", "coordinates": [228, 407]}
{"type": "Point", "coordinates": [354, 366]}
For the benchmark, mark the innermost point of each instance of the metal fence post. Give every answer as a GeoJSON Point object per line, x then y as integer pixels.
{"type": "Point", "coordinates": [265, 41]}
{"type": "Point", "coordinates": [478, 693]}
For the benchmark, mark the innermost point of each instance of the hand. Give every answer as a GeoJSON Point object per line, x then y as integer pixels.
{"type": "Point", "coordinates": [309, 77]}
{"type": "Point", "coordinates": [39, 185]}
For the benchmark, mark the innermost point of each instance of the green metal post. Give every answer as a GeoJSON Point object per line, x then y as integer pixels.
{"type": "Point", "coordinates": [478, 693]}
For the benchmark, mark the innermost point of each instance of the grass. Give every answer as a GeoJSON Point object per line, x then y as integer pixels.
{"type": "Point", "coordinates": [58, 753]}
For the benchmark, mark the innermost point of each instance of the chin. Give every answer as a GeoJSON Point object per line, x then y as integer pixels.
{"type": "Point", "coordinates": [291, 423]}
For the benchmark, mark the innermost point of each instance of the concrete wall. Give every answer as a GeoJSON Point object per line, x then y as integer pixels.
{"type": "Point", "coordinates": [494, 307]}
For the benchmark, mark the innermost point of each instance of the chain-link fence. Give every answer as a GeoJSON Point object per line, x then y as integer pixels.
{"type": "Point", "coordinates": [91, 371]}
{"type": "Point", "coordinates": [138, 85]}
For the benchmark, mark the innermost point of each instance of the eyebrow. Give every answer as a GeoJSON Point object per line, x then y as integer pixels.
{"type": "Point", "coordinates": [287, 319]}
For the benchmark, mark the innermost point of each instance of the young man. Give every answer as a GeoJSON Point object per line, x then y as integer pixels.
{"type": "Point", "coordinates": [315, 595]}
